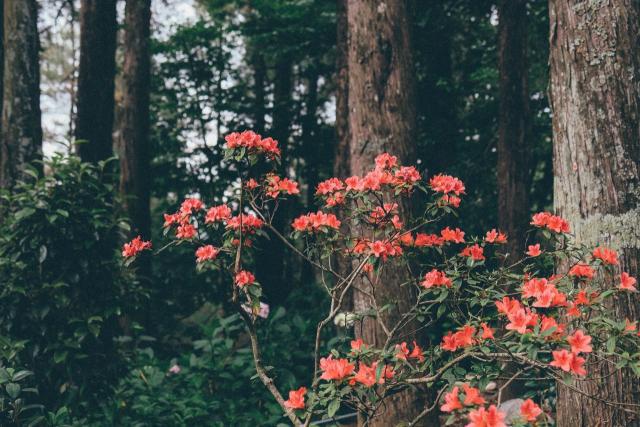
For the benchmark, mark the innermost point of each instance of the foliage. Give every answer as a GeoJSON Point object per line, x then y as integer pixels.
{"type": "Point", "coordinates": [63, 289]}
{"type": "Point", "coordinates": [550, 326]}
{"type": "Point", "coordinates": [211, 383]}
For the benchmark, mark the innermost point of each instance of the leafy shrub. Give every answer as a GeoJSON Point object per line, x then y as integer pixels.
{"type": "Point", "coordinates": [211, 384]}
{"type": "Point", "coordinates": [63, 289]}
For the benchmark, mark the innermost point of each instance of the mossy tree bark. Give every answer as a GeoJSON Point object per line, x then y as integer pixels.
{"type": "Point", "coordinates": [595, 70]}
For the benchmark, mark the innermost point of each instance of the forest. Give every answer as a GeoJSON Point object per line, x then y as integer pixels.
{"type": "Point", "coordinates": [371, 213]}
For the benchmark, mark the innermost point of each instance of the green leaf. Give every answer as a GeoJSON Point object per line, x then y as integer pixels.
{"type": "Point", "coordinates": [611, 344]}
{"type": "Point", "coordinates": [24, 212]}
{"type": "Point", "coordinates": [13, 390]}
{"type": "Point", "coordinates": [333, 407]}
{"type": "Point", "coordinates": [60, 356]}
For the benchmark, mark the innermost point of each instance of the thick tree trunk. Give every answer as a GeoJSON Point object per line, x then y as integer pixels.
{"type": "Point", "coordinates": [381, 119]}
{"type": "Point", "coordinates": [514, 125]}
{"type": "Point", "coordinates": [134, 122]}
{"type": "Point", "coordinates": [21, 140]}
{"type": "Point", "coordinates": [94, 120]}
{"type": "Point", "coordinates": [595, 70]}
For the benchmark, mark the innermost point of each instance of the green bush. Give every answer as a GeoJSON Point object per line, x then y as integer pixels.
{"type": "Point", "coordinates": [62, 291]}
{"type": "Point", "coordinates": [216, 384]}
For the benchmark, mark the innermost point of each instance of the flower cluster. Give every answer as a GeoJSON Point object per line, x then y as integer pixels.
{"type": "Point", "coordinates": [550, 221]}
{"type": "Point", "coordinates": [253, 143]}
{"type": "Point", "coordinates": [134, 247]}
{"type": "Point", "coordinates": [318, 221]}
{"type": "Point", "coordinates": [274, 186]}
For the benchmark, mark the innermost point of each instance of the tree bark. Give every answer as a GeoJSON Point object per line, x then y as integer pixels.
{"type": "Point", "coordinates": [595, 97]}
{"type": "Point", "coordinates": [94, 120]}
{"type": "Point", "coordinates": [514, 125]}
{"type": "Point", "coordinates": [259, 81]}
{"type": "Point", "coordinates": [21, 141]}
{"type": "Point", "coordinates": [270, 263]}
{"type": "Point", "coordinates": [381, 119]}
{"type": "Point", "coordinates": [341, 165]}
{"type": "Point", "coordinates": [133, 137]}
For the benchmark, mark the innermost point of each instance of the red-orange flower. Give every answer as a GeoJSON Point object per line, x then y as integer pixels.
{"type": "Point", "coordinates": [218, 213]}
{"type": "Point", "coordinates": [318, 221]}
{"type": "Point", "coordinates": [296, 399]}
{"type": "Point", "coordinates": [452, 401]}
{"type": "Point", "coordinates": [335, 369]}
{"type": "Point", "coordinates": [582, 269]}
{"type": "Point", "coordinates": [550, 221]}
{"type": "Point", "coordinates": [206, 253]}
{"type": "Point", "coordinates": [568, 362]}
{"type": "Point", "coordinates": [435, 278]}
{"type": "Point", "coordinates": [608, 256]}
{"type": "Point", "coordinates": [423, 239]}
{"type": "Point", "coordinates": [495, 236]}
{"type": "Point", "coordinates": [462, 338]}
{"type": "Point", "coordinates": [534, 250]}
{"type": "Point", "coordinates": [627, 282]}
{"type": "Point", "coordinates": [244, 278]}
{"type": "Point", "coordinates": [134, 247]}
{"type": "Point", "coordinates": [185, 231]}
{"type": "Point", "coordinates": [449, 235]}
{"type": "Point", "coordinates": [416, 353]}
{"type": "Point", "coordinates": [357, 345]}
{"type": "Point", "coordinates": [446, 184]}
{"type": "Point", "coordinates": [472, 395]}
{"type": "Point", "coordinates": [580, 342]}
{"type": "Point", "coordinates": [475, 252]}
{"type": "Point", "coordinates": [486, 418]}
{"type": "Point", "coordinates": [487, 332]}
{"type": "Point", "coordinates": [519, 320]}
{"type": "Point", "coordinates": [529, 410]}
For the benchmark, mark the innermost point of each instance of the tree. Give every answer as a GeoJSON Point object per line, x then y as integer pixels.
{"type": "Point", "coordinates": [381, 119]}
{"type": "Point", "coordinates": [514, 131]}
{"type": "Point", "coordinates": [95, 102]}
{"type": "Point", "coordinates": [21, 129]}
{"type": "Point", "coordinates": [595, 97]}
{"type": "Point", "coordinates": [133, 132]}
{"type": "Point", "coordinates": [341, 164]}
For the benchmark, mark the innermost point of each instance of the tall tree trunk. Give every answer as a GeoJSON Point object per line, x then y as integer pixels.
{"type": "Point", "coordinates": [270, 265]}
{"type": "Point", "coordinates": [595, 70]}
{"type": "Point", "coordinates": [341, 164]}
{"type": "Point", "coordinates": [514, 125]}
{"type": "Point", "coordinates": [1, 69]}
{"type": "Point", "coordinates": [94, 120]}
{"type": "Point", "coordinates": [259, 81]}
{"type": "Point", "coordinates": [21, 140]}
{"type": "Point", "coordinates": [381, 118]}
{"type": "Point", "coordinates": [134, 122]}
{"type": "Point", "coordinates": [310, 147]}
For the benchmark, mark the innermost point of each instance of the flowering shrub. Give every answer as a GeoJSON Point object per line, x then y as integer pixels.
{"type": "Point", "coordinates": [547, 324]}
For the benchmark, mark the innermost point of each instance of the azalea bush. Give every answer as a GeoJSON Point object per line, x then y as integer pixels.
{"type": "Point", "coordinates": [544, 314]}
